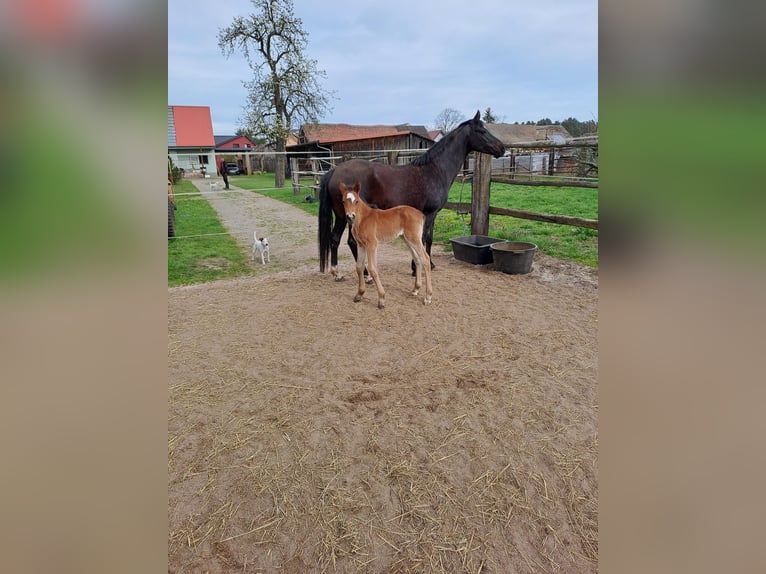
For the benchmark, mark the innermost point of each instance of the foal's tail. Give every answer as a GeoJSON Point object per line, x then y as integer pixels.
{"type": "Point", "coordinates": [325, 220]}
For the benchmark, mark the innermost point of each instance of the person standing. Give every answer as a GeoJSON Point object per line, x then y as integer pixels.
{"type": "Point", "coordinates": [224, 175]}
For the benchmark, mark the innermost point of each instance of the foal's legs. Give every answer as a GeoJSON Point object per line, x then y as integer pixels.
{"type": "Point", "coordinates": [427, 239]}
{"type": "Point", "coordinates": [372, 252]}
{"type": "Point", "coordinates": [421, 260]}
{"type": "Point", "coordinates": [352, 245]}
{"type": "Point", "coordinates": [362, 255]}
{"type": "Point", "coordinates": [427, 268]}
{"type": "Point", "coordinates": [416, 262]}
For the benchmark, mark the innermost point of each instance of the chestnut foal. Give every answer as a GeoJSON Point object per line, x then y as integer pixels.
{"type": "Point", "coordinates": [372, 225]}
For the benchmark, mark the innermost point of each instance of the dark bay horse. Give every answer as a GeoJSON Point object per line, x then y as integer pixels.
{"type": "Point", "coordinates": [424, 184]}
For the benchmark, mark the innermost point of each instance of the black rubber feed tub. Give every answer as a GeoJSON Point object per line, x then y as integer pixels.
{"type": "Point", "coordinates": [473, 248]}
{"type": "Point", "coordinates": [514, 257]}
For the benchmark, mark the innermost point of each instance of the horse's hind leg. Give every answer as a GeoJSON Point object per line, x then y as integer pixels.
{"type": "Point", "coordinates": [337, 232]}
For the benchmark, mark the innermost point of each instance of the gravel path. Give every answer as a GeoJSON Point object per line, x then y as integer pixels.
{"type": "Point", "coordinates": [292, 232]}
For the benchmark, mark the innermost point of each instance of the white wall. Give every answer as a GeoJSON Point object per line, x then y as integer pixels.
{"type": "Point", "coordinates": [189, 161]}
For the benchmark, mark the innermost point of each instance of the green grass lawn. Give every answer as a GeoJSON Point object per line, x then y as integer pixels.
{"type": "Point", "coordinates": [200, 259]}
{"type": "Point", "coordinates": [562, 241]}
{"type": "Point", "coordinates": [264, 184]}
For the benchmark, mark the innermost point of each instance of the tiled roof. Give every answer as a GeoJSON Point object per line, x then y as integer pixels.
{"type": "Point", "coordinates": [234, 142]}
{"type": "Point", "coordinates": [191, 125]}
{"type": "Point", "coordinates": [329, 133]}
{"type": "Point", "coordinates": [223, 139]}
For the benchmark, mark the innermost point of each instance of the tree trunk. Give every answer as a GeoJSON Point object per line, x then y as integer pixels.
{"type": "Point", "coordinates": [279, 170]}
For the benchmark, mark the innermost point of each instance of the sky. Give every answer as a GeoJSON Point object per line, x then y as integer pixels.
{"type": "Point", "coordinates": [391, 62]}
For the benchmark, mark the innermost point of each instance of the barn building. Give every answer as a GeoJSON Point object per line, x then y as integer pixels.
{"type": "Point", "coordinates": [348, 141]}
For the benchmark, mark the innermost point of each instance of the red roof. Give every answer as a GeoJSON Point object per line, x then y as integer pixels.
{"type": "Point", "coordinates": [433, 134]}
{"type": "Point", "coordinates": [194, 127]}
{"type": "Point", "coordinates": [345, 132]}
{"type": "Point", "coordinates": [227, 142]}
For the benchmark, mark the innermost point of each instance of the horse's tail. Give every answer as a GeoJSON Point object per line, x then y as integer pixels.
{"type": "Point", "coordinates": [325, 220]}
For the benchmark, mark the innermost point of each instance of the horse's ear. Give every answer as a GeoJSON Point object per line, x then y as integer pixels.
{"type": "Point", "coordinates": [357, 187]}
{"type": "Point", "coordinates": [477, 117]}
{"type": "Point", "coordinates": [342, 187]}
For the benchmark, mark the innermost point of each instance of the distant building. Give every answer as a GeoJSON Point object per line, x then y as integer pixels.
{"type": "Point", "coordinates": [510, 134]}
{"type": "Point", "coordinates": [191, 144]}
{"type": "Point", "coordinates": [436, 135]}
{"type": "Point", "coordinates": [529, 160]}
{"type": "Point", "coordinates": [231, 148]}
{"type": "Point", "coordinates": [347, 140]}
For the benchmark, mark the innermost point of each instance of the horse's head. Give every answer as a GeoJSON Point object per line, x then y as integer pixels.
{"type": "Point", "coordinates": [350, 199]}
{"type": "Point", "coordinates": [479, 138]}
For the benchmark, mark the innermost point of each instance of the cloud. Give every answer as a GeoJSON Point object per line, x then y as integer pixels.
{"type": "Point", "coordinates": [395, 61]}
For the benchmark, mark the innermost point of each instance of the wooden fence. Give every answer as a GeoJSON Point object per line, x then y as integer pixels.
{"type": "Point", "coordinates": [484, 175]}
{"type": "Point", "coordinates": [563, 168]}
{"type": "Point", "coordinates": [312, 169]}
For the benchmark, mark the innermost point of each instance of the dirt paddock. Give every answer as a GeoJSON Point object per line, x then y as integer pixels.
{"type": "Point", "coordinates": [308, 433]}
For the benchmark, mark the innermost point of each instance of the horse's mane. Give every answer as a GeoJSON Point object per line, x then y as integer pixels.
{"type": "Point", "coordinates": [437, 149]}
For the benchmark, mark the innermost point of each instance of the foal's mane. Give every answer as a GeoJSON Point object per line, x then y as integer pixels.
{"type": "Point", "coordinates": [438, 148]}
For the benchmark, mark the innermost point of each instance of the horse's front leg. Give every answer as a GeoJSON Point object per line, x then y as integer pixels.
{"type": "Point", "coordinates": [360, 274]}
{"type": "Point", "coordinates": [428, 236]}
{"type": "Point", "coordinates": [353, 247]}
{"type": "Point", "coordinates": [372, 252]}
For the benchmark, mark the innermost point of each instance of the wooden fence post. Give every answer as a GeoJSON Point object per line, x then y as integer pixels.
{"type": "Point", "coordinates": [480, 196]}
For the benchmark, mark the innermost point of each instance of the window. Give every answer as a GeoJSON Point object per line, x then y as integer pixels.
{"type": "Point", "coordinates": [203, 159]}
{"type": "Point", "coordinates": [235, 146]}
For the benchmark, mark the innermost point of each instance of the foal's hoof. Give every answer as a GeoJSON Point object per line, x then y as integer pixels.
{"type": "Point", "coordinates": [340, 278]}
{"type": "Point", "coordinates": [357, 298]}
{"type": "Point", "coordinates": [426, 301]}
{"type": "Point", "coordinates": [381, 304]}
{"type": "Point", "coordinates": [368, 279]}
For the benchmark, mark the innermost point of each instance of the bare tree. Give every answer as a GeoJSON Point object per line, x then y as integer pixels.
{"type": "Point", "coordinates": [448, 119]}
{"type": "Point", "coordinates": [285, 89]}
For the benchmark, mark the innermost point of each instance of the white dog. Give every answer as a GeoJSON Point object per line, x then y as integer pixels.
{"type": "Point", "coordinates": [262, 246]}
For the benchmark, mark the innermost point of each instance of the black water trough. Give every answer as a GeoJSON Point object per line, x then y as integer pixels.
{"type": "Point", "coordinates": [473, 248]}
{"type": "Point", "coordinates": [513, 257]}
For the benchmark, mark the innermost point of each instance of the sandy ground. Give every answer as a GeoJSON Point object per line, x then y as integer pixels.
{"type": "Point", "coordinates": [308, 433]}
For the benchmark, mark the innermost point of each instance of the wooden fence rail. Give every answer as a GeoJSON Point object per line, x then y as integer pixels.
{"type": "Point", "coordinates": [480, 208]}
{"type": "Point", "coordinates": [523, 214]}
{"type": "Point", "coordinates": [552, 183]}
